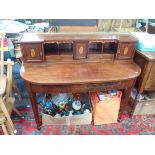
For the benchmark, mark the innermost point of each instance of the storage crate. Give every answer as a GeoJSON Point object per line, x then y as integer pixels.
{"type": "Point", "coordinates": [67, 120]}
{"type": "Point", "coordinates": [106, 111]}
{"type": "Point", "coordinates": [145, 106]}
{"type": "Point", "coordinates": [81, 119]}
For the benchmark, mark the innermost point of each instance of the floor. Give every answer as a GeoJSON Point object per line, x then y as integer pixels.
{"type": "Point", "coordinates": [137, 125]}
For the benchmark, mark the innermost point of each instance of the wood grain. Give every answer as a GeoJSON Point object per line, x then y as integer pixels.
{"type": "Point", "coordinates": [146, 80]}
{"type": "Point", "coordinates": [78, 73]}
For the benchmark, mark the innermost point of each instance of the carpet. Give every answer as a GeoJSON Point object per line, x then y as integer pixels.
{"type": "Point", "coordinates": [141, 125]}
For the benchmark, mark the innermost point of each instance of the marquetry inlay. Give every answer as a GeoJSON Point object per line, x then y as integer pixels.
{"type": "Point", "coordinates": [33, 53]}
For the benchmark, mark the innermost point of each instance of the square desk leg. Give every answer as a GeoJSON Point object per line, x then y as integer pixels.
{"type": "Point", "coordinates": [34, 105]}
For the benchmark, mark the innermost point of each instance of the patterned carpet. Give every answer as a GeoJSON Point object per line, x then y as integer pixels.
{"type": "Point", "coordinates": [137, 125]}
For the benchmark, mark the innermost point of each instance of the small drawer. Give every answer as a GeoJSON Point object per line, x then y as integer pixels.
{"type": "Point", "coordinates": [125, 50]}
{"type": "Point", "coordinates": [80, 50]}
{"type": "Point", "coordinates": [32, 52]}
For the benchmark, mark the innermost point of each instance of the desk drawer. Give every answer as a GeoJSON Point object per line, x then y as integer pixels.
{"type": "Point", "coordinates": [76, 88]}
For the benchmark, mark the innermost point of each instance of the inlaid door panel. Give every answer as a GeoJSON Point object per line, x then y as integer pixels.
{"type": "Point", "coordinates": [80, 50]}
{"type": "Point", "coordinates": [125, 50]}
{"type": "Point", "coordinates": [32, 52]}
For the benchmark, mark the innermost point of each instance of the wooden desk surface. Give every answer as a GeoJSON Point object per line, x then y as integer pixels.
{"type": "Point", "coordinates": [78, 73]}
{"type": "Point", "coordinates": [150, 56]}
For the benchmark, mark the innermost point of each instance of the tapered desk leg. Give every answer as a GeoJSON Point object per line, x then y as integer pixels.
{"type": "Point", "coordinates": [34, 105]}
{"type": "Point", "coordinates": [125, 99]}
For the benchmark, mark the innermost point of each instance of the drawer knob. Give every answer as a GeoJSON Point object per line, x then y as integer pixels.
{"type": "Point", "coordinates": [33, 53]}
{"type": "Point", "coordinates": [126, 50]}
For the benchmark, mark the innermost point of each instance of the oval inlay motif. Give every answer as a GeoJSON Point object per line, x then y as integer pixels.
{"type": "Point", "coordinates": [126, 50]}
{"type": "Point", "coordinates": [81, 50]}
{"type": "Point", "coordinates": [33, 53]}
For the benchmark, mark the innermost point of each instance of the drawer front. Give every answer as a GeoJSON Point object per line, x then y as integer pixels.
{"type": "Point", "coordinates": [125, 51]}
{"type": "Point", "coordinates": [77, 88]}
{"type": "Point", "coordinates": [80, 50]}
{"type": "Point", "coordinates": [32, 52]}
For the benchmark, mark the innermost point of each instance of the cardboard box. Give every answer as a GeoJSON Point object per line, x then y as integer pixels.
{"type": "Point", "coordinates": [105, 112]}
{"type": "Point", "coordinates": [67, 120]}
{"type": "Point", "coordinates": [145, 106]}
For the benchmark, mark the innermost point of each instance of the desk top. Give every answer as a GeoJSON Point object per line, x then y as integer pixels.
{"type": "Point", "coordinates": [78, 73]}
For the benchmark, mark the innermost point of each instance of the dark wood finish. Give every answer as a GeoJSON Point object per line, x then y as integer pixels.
{"type": "Point", "coordinates": [126, 50]}
{"type": "Point", "coordinates": [33, 52]}
{"type": "Point", "coordinates": [81, 43]}
{"type": "Point", "coordinates": [79, 77]}
{"type": "Point", "coordinates": [81, 72]}
{"type": "Point", "coordinates": [80, 50]}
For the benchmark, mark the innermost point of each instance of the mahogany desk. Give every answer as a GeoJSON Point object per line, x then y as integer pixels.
{"type": "Point", "coordinates": [63, 63]}
{"type": "Point", "coordinates": [48, 78]}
